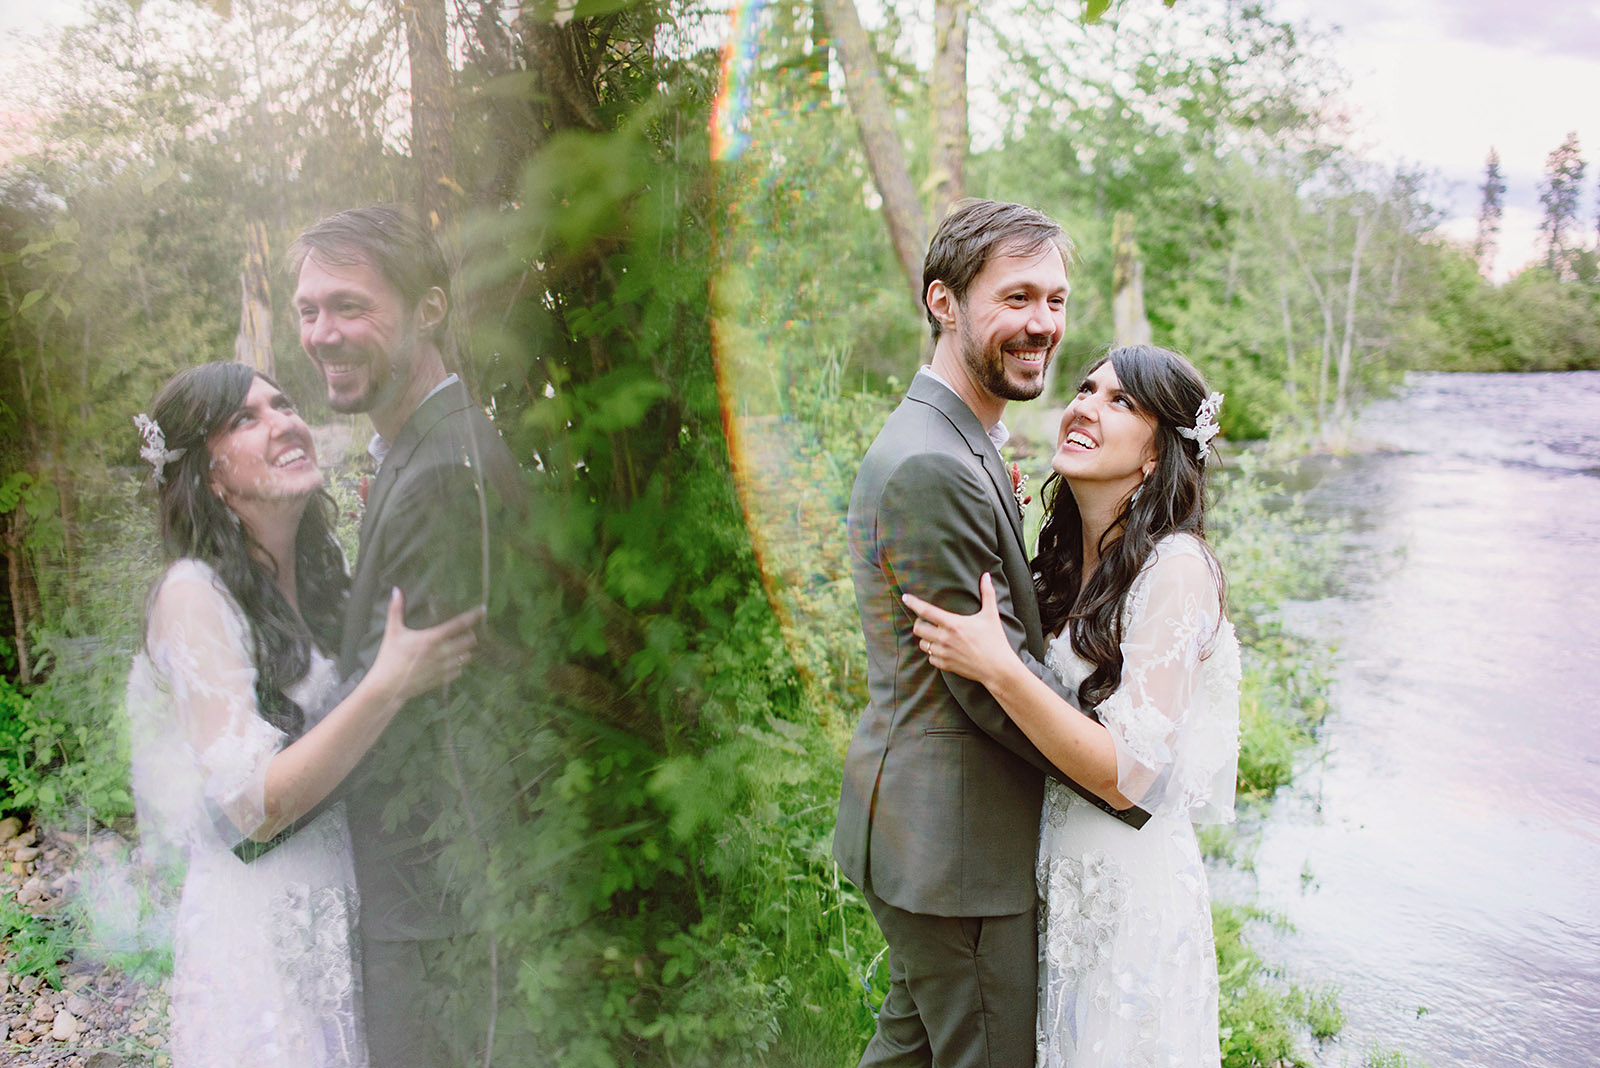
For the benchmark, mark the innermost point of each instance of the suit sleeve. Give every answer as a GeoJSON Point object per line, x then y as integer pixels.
{"type": "Point", "coordinates": [937, 533]}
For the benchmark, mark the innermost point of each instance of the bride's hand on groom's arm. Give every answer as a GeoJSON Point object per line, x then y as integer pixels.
{"type": "Point", "coordinates": [974, 647]}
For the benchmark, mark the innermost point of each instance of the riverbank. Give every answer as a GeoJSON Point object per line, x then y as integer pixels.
{"type": "Point", "coordinates": [1441, 856]}
{"type": "Point", "coordinates": [60, 1008]}
{"type": "Point", "coordinates": [827, 951]}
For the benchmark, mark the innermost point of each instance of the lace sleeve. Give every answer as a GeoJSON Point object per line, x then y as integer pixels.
{"type": "Point", "coordinates": [198, 642]}
{"type": "Point", "coordinates": [1172, 718]}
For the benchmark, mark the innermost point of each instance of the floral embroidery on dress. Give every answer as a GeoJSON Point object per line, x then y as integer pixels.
{"type": "Point", "coordinates": [1084, 898]}
{"type": "Point", "coordinates": [313, 930]}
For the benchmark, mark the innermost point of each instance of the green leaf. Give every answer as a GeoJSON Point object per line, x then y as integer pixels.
{"type": "Point", "coordinates": [588, 9]}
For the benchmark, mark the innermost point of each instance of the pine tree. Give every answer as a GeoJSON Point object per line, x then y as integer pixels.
{"type": "Point", "coordinates": [1563, 175]}
{"type": "Point", "coordinates": [1489, 212]}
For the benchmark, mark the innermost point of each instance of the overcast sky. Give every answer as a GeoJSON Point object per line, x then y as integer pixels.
{"type": "Point", "coordinates": [1440, 82]}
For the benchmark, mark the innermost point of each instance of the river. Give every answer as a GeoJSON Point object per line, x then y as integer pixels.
{"type": "Point", "coordinates": [1438, 856]}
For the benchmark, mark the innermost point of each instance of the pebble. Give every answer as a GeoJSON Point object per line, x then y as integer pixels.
{"type": "Point", "coordinates": [66, 1027]}
{"type": "Point", "coordinates": [87, 1023]}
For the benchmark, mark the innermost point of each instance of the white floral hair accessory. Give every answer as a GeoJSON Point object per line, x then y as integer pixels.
{"type": "Point", "coordinates": [155, 451]}
{"type": "Point", "coordinates": [1205, 424]}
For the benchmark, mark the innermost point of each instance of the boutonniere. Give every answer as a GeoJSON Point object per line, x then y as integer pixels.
{"type": "Point", "coordinates": [1019, 483]}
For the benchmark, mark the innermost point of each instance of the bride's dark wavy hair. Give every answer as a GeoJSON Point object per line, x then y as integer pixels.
{"type": "Point", "coordinates": [190, 409]}
{"type": "Point", "coordinates": [1162, 384]}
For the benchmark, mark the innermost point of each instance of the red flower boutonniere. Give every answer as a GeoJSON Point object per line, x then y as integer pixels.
{"type": "Point", "coordinates": [1019, 482]}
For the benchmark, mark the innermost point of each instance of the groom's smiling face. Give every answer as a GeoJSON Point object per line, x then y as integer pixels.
{"type": "Point", "coordinates": [1011, 320]}
{"type": "Point", "coordinates": [358, 330]}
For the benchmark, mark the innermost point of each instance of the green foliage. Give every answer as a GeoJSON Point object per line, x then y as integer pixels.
{"type": "Point", "coordinates": [64, 747]}
{"type": "Point", "coordinates": [35, 946]}
{"type": "Point", "coordinates": [1261, 1016]}
{"type": "Point", "coordinates": [659, 783]}
{"type": "Point", "coordinates": [1381, 1057]}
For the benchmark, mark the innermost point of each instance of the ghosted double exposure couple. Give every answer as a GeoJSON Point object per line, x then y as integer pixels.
{"type": "Point", "coordinates": [297, 726]}
{"type": "Point", "coordinates": [1041, 734]}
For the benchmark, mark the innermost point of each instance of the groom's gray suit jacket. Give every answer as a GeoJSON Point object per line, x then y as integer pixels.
{"type": "Point", "coordinates": [939, 812]}
{"type": "Point", "coordinates": [447, 474]}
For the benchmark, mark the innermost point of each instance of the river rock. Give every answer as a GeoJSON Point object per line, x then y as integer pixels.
{"type": "Point", "coordinates": [10, 827]}
{"type": "Point", "coordinates": [43, 1011]}
{"type": "Point", "coordinates": [23, 854]}
{"type": "Point", "coordinates": [29, 983]}
{"type": "Point", "coordinates": [79, 1006]}
{"type": "Point", "coordinates": [26, 838]}
{"type": "Point", "coordinates": [65, 1027]}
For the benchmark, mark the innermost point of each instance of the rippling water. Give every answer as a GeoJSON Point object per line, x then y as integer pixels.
{"type": "Point", "coordinates": [1440, 859]}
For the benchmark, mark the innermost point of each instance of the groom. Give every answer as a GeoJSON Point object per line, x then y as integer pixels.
{"type": "Point", "coordinates": [372, 298]}
{"type": "Point", "coordinates": [939, 818]}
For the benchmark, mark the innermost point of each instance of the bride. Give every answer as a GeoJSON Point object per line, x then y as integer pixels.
{"type": "Point", "coordinates": [1133, 597]}
{"type": "Point", "coordinates": [236, 731]}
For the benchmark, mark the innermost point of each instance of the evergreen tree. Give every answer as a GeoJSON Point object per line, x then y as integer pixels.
{"type": "Point", "coordinates": [1489, 212]}
{"type": "Point", "coordinates": [1563, 175]}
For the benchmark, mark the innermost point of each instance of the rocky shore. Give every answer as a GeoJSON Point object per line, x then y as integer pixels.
{"type": "Point", "coordinates": [98, 1017]}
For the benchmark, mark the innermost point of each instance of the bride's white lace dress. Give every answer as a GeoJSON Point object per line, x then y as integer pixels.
{"type": "Point", "coordinates": [263, 973]}
{"type": "Point", "coordinates": [1127, 965]}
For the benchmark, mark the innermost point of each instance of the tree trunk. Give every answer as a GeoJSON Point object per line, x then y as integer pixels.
{"type": "Point", "coordinates": [1341, 395]}
{"type": "Point", "coordinates": [433, 152]}
{"type": "Point", "coordinates": [24, 590]}
{"type": "Point", "coordinates": [902, 211]}
{"type": "Point", "coordinates": [1130, 325]}
{"type": "Point", "coordinates": [432, 147]}
{"type": "Point", "coordinates": [947, 171]}
{"type": "Point", "coordinates": [1291, 385]}
{"type": "Point", "coordinates": [254, 342]}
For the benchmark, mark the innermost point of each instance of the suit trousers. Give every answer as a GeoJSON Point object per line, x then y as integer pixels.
{"type": "Point", "coordinates": [963, 990]}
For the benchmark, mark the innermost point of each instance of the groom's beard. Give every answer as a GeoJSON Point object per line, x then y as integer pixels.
{"type": "Point", "coordinates": [987, 365]}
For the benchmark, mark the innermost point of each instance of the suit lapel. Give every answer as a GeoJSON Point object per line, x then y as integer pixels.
{"type": "Point", "coordinates": [436, 407]}
{"type": "Point", "coordinates": [931, 391]}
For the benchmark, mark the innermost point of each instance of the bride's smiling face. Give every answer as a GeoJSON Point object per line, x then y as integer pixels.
{"type": "Point", "coordinates": [1105, 436]}
{"type": "Point", "coordinates": [263, 450]}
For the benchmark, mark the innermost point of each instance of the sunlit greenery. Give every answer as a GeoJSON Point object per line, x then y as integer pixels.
{"type": "Point", "coordinates": [688, 356]}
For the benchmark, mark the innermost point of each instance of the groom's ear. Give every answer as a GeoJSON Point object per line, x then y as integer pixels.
{"type": "Point", "coordinates": [942, 303]}
{"type": "Point", "coordinates": [431, 309]}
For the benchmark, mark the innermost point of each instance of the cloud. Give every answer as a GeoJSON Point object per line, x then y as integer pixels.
{"type": "Point", "coordinates": [1555, 28]}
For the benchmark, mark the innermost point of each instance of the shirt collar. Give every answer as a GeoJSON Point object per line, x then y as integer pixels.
{"type": "Point", "coordinates": [378, 448]}
{"type": "Point", "coordinates": [997, 433]}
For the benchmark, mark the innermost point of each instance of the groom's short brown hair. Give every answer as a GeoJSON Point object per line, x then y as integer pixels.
{"type": "Point", "coordinates": [386, 238]}
{"type": "Point", "coordinates": [973, 233]}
